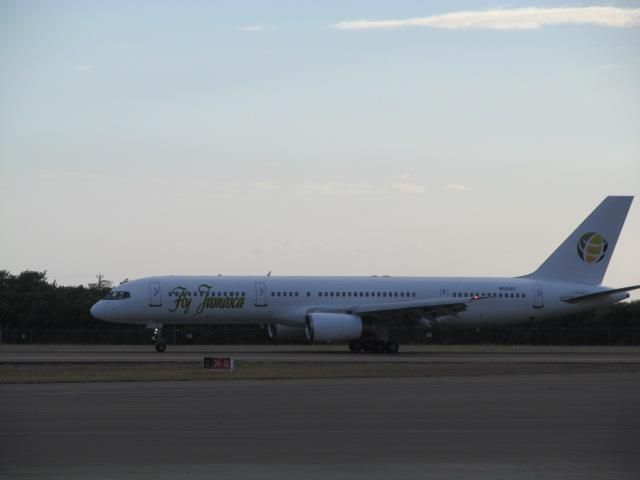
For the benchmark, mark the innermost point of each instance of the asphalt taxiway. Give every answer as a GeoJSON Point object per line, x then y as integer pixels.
{"type": "Point", "coordinates": [289, 353]}
{"type": "Point", "coordinates": [510, 426]}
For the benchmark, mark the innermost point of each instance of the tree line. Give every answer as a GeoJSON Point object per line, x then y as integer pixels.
{"type": "Point", "coordinates": [29, 301]}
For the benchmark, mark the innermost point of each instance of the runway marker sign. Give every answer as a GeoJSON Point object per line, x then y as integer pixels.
{"type": "Point", "coordinates": [219, 364]}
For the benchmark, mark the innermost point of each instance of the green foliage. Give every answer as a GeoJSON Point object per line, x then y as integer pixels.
{"type": "Point", "coordinates": [28, 300]}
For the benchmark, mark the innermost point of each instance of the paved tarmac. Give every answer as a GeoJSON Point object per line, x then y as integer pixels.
{"type": "Point", "coordinates": [579, 426]}
{"type": "Point", "coordinates": [284, 353]}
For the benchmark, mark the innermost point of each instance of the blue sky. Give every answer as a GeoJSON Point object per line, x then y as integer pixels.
{"type": "Point", "coordinates": [141, 138]}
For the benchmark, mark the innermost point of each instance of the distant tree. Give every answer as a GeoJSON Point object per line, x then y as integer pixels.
{"type": "Point", "coordinates": [101, 284]}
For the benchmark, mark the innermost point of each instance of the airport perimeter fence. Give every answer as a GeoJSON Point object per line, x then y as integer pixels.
{"type": "Point", "coordinates": [524, 335]}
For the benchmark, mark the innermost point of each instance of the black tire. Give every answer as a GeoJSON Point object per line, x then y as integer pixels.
{"type": "Point", "coordinates": [391, 347]}
{"type": "Point", "coordinates": [379, 347]}
{"type": "Point", "coordinates": [161, 347]}
{"type": "Point", "coordinates": [355, 346]}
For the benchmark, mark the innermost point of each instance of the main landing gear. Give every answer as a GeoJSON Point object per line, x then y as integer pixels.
{"type": "Point", "coordinates": [157, 338]}
{"type": "Point", "coordinates": [373, 345]}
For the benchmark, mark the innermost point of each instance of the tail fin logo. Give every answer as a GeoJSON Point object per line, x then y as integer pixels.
{"type": "Point", "coordinates": [592, 247]}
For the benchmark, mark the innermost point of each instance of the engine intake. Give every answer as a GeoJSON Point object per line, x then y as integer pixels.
{"type": "Point", "coordinates": [332, 327]}
{"type": "Point", "coordinates": [280, 333]}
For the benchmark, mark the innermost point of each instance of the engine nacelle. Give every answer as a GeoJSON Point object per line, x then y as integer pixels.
{"type": "Point", "coordinates": [332, 327]}
{"type": "Point", "coordinates": [278, 332]}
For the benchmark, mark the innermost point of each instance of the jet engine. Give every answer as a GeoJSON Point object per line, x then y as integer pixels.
{"type": "Point", "coordinates": [332, 327]}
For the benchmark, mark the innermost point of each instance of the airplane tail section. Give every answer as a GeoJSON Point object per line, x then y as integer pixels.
{"type": "Point", "coordinates": [584, 256]}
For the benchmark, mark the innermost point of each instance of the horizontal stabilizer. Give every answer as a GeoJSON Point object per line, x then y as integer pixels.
{"type": "Point", "coordinates": [592, 296]}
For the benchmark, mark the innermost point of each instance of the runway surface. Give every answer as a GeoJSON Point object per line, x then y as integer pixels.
{"type": "Point", "coordinates": [412, 354]}
{"type": "Point", "coordinates": [511, 426]}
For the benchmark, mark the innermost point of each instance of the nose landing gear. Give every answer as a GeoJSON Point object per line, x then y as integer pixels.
{"type": "Point", "coordinates": [157, 337]}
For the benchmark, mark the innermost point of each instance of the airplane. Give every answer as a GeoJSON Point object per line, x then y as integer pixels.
{"type": "Point", "coordinates": [362, 310]}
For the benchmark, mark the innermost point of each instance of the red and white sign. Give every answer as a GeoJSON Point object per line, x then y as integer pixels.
{"type": "Point", "coordinates": [219, 363]}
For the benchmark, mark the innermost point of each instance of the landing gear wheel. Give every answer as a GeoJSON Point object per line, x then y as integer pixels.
{"type": "Point", "coordinates": [355, 346]}
{"type": "Point", "coordinates": [391, 347]}
{"type": "Point", "coordinates": [161, 347]}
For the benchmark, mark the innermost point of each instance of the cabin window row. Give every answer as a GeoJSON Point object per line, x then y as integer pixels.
{"type": "Point", "coordinates": [213, 294]}
{"type": "Point", "coordinates": [368, 294]}
{"type": "Point", "coordinates": [349, 294]}
{"type": "Point", "coordinates": [494, 295]}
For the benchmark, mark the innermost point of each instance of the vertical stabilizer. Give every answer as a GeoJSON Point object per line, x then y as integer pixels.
{"type": "Point", "coordinates": [584, 256]}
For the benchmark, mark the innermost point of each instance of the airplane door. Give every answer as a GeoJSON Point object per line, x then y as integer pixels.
{"type": "Point", "coordinates": [155, 299]}
{"type": "Point", "coordinates": [261, 294]}
{"type": "Point", "coordinates": [538, 301]}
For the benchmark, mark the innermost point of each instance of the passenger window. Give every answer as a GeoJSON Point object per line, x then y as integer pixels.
{"type": "Point", "coordinates": [273, 294]}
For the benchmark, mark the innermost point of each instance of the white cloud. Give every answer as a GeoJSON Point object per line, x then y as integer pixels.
{"type": "Point", "coordinates": [456, 187]}
{"type": "Point", "coordinates": [407, 185]}
{"type": "Point", "coordinates": [509, 19]}
{"type": "Point", "coordinates": [339, 188]}
{"type": "Point", "coordinates": [251, 28]}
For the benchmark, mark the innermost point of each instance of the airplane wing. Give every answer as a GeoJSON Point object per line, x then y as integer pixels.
{"type": "Point", "coordinates": [414, 309]}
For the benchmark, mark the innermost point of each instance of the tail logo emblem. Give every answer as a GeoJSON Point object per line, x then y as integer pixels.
{"type": "Point", "coordinates": [592, 247]}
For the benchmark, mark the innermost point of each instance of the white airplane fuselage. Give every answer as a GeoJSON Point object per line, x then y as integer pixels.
{"type": "Point", "coordinates": [287, 300]}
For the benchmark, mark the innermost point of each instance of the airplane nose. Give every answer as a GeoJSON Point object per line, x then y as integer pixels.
{"type": "Point", "coordinates": [97, 310]}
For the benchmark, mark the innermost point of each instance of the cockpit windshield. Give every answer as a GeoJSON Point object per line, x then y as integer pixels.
{"type": "Point", "coordinates": [117, 295]}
